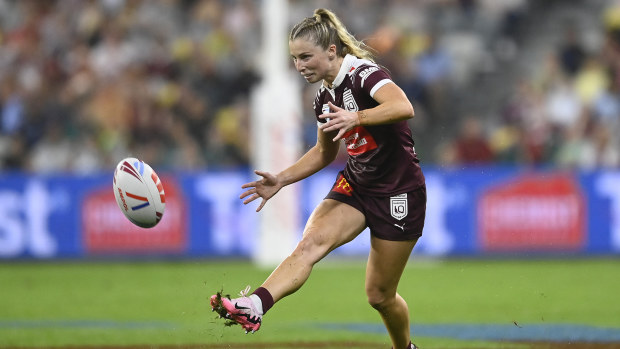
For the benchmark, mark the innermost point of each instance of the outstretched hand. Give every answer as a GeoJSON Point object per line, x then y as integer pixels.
{"type": "Point", "coordinates": [264, 188]}
{"type": "Point", "coordinates": [338, 119]}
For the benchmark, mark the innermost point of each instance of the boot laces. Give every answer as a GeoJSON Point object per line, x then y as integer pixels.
{"type": "Point", "coordinates": [245, 291]}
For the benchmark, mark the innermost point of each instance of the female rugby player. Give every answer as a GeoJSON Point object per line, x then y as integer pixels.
{"type": "Point", "coordinates": [381, 187]}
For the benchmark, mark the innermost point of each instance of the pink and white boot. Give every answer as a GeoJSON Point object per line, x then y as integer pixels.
{"type": "Point", "coordinates": [240, 310]}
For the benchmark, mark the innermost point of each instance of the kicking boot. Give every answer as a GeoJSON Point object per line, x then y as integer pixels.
{"type": "Point", "coordinates": [240, 310]}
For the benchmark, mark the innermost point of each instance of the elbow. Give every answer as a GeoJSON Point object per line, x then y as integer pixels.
{"type": "Point", "coordinates": [408, 112]}
{"type": "Point", "coordinates": [411, 113]}
{"type": "Point", "coordinates": [327, 154]}
{"type": "Point", "coordinates": [329, 157]}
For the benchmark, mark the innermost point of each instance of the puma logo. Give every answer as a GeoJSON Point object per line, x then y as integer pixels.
{"type": "Point", "coordinates": [402, 227]}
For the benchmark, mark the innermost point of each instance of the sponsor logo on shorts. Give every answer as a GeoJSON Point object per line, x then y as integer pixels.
{"type": "Point", "coordinates": [399, 208]}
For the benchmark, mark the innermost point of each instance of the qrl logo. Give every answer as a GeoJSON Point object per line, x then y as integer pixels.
{"type": "Point", "coordinates": [349, 101]}
{"type": "Point", "coordinates": [399, 206]}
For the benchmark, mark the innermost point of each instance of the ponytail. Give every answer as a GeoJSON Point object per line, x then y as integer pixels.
{"type": "Point", "coordinates": [325, 29]}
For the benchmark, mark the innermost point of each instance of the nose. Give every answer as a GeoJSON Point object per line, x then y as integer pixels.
{"type": "Point", "coordinates": [298, 65]}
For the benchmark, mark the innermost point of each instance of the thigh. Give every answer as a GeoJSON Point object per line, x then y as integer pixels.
{"type": "Point", "coordinates": [332, 224]}
{"type": "Point", "coordinates": [386, 262]}
{"type": "Point", "coordinates": [398, 218]}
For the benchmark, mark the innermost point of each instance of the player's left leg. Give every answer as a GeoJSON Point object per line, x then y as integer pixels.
{"type": "Point", "coordinates": [386, 262]}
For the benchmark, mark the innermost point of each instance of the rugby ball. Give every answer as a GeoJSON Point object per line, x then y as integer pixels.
{"type": "Point", "coordinates": [139, 192]}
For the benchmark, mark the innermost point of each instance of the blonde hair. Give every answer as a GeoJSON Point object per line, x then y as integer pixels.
{"type": "Point", "coordinates": [325, 29]}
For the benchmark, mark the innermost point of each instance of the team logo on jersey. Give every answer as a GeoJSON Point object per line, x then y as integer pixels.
{"type": "Point", "coordinates": [399, 207]}
{"type": "Point", "coordinates": [349, 101]}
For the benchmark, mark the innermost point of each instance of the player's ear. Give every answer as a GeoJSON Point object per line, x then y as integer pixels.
{"type": "Point", "coordinates": [332, 52]}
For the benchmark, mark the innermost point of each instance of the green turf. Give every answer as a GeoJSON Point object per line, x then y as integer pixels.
{"type": "Point", "coordinates": [60, 304]}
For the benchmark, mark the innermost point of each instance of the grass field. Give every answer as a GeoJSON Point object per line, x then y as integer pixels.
{"type": "Point", "coordinates": [453, 303]}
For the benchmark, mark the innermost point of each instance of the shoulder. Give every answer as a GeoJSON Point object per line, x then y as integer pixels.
{"type": "Point", "coordinates": [320, 93]}
{"type": "Point", "coordinates": [363, 67]}
{"type": "Point", "coordinates": [366, 75]}
{"type": "Point", "coordinates": [319, 98]}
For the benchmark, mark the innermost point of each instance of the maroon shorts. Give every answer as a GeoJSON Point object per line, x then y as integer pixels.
{"type": "Point", "coordinates": [396, 218]}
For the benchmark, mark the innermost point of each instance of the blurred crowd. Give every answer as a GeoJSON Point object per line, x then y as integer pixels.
{"type": "Point", "coordinates": [566, 113]}
{"type": "Point", "coordinates": [86, 83]}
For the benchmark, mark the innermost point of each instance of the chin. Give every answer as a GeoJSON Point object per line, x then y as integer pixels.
{"type": "Point", "coordinates": [313, 79]}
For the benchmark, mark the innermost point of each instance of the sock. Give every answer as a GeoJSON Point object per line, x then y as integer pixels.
{"type": "Point", "coordinates": [257, 303]}
{"type": "Point", "coordinates": [264, 297]}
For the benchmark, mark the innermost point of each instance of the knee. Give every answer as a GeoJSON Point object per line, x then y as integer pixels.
{"type": "Point", "coordinates": [379, 299]}
{"type": "Point", "coordinates": [310, 248]}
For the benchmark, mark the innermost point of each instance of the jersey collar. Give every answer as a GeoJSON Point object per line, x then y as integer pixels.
{"type": "Point", "coordinates": [347, 64]}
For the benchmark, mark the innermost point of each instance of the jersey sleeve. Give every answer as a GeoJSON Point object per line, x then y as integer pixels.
{"type": "Point", "coordinates": [318, 105]}
{"type": "Point", "coordinates": [370, 78]}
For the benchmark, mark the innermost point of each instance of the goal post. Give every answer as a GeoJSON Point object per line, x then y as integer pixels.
{"type": "Point", "coordinates": [276, 137]}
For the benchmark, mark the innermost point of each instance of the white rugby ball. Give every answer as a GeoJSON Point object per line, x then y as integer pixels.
{"type": "Point", "coordinates": [139, 192]}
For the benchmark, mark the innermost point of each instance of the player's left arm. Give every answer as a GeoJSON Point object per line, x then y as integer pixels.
{"type": "Point", "coordinates": [394, 106]}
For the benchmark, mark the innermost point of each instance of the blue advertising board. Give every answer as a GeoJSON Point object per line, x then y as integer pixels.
{"type": "Point", "coordinates": [473, 211]}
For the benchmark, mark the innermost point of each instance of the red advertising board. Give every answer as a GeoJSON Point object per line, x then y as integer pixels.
{"type": "Point", "coordinates": [106, 230]}
{"type": "Point", "coordinates": [542, 212]}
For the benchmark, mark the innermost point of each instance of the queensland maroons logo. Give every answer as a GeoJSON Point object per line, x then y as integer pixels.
{"type": "Point", "coordinates": [398, 206]}
{"type": "Point", "coordinates": [348, 101]}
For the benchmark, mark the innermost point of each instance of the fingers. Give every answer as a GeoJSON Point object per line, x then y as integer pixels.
{"type": "Point", "coordinates": [247, 192]}
{"type": "Point", "coordinates": [261, 173]}
{"type": "Point", "coordinates": [251, 198]}
{"type": "Point", "coordinates": [249, 185]}
{"type": "Point", "coordinates": [334, 107]}
{"type": "Point", "coordinates": [333, 125]}
{"type": "Point", "coordinates": [258, 189]}
{"type": "Point", "coordinates": [255, 183]}
{"type": "Point", "coordinates": [260, 207]}
{"type": "Point", "coordinates": [339, 135]}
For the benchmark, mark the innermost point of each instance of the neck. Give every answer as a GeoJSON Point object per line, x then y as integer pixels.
{"type": "Point", "coordinates": [333, 72]}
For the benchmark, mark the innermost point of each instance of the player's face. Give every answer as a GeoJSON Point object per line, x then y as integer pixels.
{"type": "Point", "coordinates": [312, 61]}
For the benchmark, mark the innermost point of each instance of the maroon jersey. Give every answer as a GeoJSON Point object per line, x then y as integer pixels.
{"type": "Point", "coordinates": [382, 159]}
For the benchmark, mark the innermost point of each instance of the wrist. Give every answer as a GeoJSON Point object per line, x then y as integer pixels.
{"type": "Point", "coordinates": [361, 117]}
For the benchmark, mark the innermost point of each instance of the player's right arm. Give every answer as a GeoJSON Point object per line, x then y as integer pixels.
{"type": "Point", "coordinates": [318, 157]}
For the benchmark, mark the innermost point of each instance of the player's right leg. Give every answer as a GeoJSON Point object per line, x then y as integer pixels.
{"type": "Point", "coordinates": [386, 263]}
{"type": "Point", "coordinates": [331, 225]}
